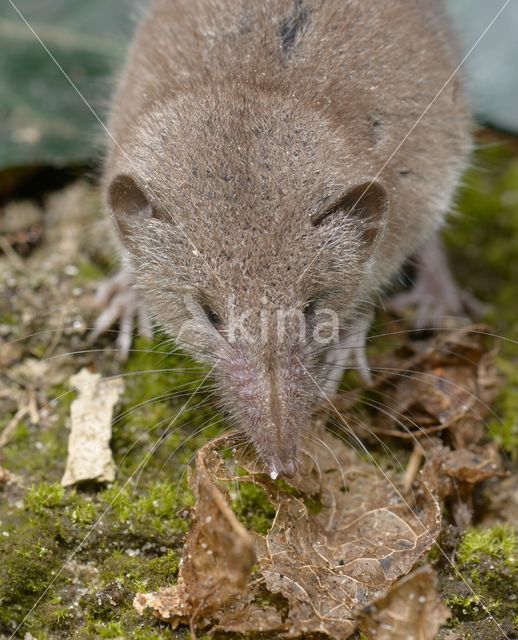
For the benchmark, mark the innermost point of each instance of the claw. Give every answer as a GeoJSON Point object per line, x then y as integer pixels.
{"type": "Point", "coordinates": [119, 299]}
{"type": "Point", "coordinates": [350, 351]}
{"type": "Point", "coordinates": [435, 295]}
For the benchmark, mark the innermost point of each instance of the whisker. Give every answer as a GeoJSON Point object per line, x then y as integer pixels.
{"type": "Point", "coordinates": [413, 375]}
{"type": "Point", "coordinates": [156, 426]}
{"type": "Point", "coordinates": [206, 425]}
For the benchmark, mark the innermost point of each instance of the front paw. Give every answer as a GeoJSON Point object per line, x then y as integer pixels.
{"type": "Point", "coordinates": [436, 304]}
{"type": "Point", "coordinates": [118, 300]}
{"type": "Point", "coordinates": [351, 353]}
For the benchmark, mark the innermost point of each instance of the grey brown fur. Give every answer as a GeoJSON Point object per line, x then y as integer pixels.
{"type": "Point", "coordinates": [239, 124]}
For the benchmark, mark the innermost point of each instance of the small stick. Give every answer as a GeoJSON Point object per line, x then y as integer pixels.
{"type": "Point", "coordinates": [413, 467]}
{"type": "Point", "coordinates": [11, 255]}
{"type": "Point", "coordinates": [10, 427]}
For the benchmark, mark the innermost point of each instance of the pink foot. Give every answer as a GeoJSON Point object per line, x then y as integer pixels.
{"type": "Point", "coordinates": [118, 299]}
{"type": "Point", "coordinates": [349, 352]}
{"type": "Point", "coordinates": [435, 294]}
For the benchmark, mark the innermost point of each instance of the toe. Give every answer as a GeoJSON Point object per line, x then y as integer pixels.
{"type": "Point", "coordinates": [144, 324]}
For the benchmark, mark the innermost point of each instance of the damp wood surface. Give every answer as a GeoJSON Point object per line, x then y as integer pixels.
{"type": "Point", "coordinates": [90, 549]}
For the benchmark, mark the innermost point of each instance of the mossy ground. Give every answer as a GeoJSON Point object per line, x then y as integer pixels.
{"type": "Point", "coordinates": [87, 551]}
{"type": "Point", "coordinates": [484, 600]}
{"type": "Point", "coordinates": [483, 243]}
{"type": "Point", "coordinates": [117, 539]}
{"type": "Point", "coordinates": [128, 537]}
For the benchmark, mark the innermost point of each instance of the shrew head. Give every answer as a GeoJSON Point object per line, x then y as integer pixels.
{"type": "Point", "coordinates": [251, 231]}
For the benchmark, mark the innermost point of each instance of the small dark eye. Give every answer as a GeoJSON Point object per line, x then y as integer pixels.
{"type": "Point", "coordinates": [309, 315]}
{"type": "Point", "coordinates": [309, 310]}
{"type": "Point", "coordinates": [212, 316]}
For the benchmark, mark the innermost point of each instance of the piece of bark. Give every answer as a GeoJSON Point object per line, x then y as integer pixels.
{"type": "Point", "coordinates": [89, 454]}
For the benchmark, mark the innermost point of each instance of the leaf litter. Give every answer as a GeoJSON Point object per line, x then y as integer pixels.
{"type": "Point", "coordinates": [411, 609]}
{"type": "Point", "coordinates": [346, 543]}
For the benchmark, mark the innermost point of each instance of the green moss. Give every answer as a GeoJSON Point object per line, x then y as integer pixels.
{"type": "Point", "coordinates": [499, 542]}
{"type": "Point", "coordinates": [484, 240]}
{"type": "Point", "coordinates": [487, 577]}
{"type": "Point", "coordinates": [30, 561]}
{"type": "Point", "coordinates": [126, 537]}
{"type": "Point", "coordinates": [504, 429]}
{"type": "Point", "coordinates": [83, 512]}
{"type": "Point", "coordinates": [127, 551]}
{"type": "Point", "coordinates": [149, 573]}
{"type": "Point", "coordinates": [109, 606]}
{"type": "Point", "coordinates": [131, 628]}
{"type": "Point", "coordinates": [157, 513]}
{"type": "Point", "coordinates": [253, 508]}
{"type": "Point", "coordinates": [111, 630]}
{"type": "Point", "coordinates": [87, 272]}
{"type": "Point", "coordinates": [20, 433]}
{"type": "Point", "coordinates": [469, 608]}
{"type": "Point", "coordinates": [166, 410]}
{"type": "Point", "coordinates": [44, 496]}
{"type": "Point", "coordinates": [483, 244]}
{"type": "Point", "coordinates": [51, 442]}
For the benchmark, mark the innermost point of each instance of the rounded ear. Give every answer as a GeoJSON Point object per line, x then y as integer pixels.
{"type": "Point", "coordinates": [127, 201]}
{"type": "Point", "coordinates": [367, 202]}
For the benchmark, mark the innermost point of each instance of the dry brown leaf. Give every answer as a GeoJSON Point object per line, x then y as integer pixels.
{"type": "Point", "coordinates": [501, 500]}
{"type": "Point", "coordinates": [411, 610]}
{"type": "Point", "coordinates": [463, 467]}
{"type": "Point", "coordinates": [343, 533]}
{"type": "Point", "coordinates": [89, 454]}
{"type": "Point", "coordinates": [443, 383]}
{"type": "Point", "coordinates": [364, 536]}
{"type": "Point", "coordinates": [219, 555]}
{"type": "Point", "coordinates": [456, 472]}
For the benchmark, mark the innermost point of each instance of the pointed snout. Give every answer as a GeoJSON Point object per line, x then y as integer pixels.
{"type": "Point", "coordinates": [283, 468]}
{"type": "Point", "coordinates": [265, 394]}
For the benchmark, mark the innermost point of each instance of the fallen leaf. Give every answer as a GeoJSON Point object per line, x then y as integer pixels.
{"type": "Point", "coordinates": [219, 555]}
{"type": "Point", "coordinates": [445, 383]}
{"type": "Point", "coordinates": [469, 467]}
{"type": "Point", "coordinates": [501, 500]}
{"type": "Point", "coordinates": [89, 454]}
{"type": "Point", "coordinates": [342, 534]}
{"type": "Point", "coordinates": [364, 534]}
{"type": "Point", "coordinates": [456, 473]}
{"type": "Point", "coordinates": [411, 610]}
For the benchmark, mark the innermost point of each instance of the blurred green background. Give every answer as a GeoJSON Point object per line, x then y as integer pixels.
{"type": "Point", "coordinates": [43, 120]}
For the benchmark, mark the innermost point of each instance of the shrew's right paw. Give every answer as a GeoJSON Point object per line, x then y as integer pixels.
{"type": "Point", "coordinates": [118, 300]}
